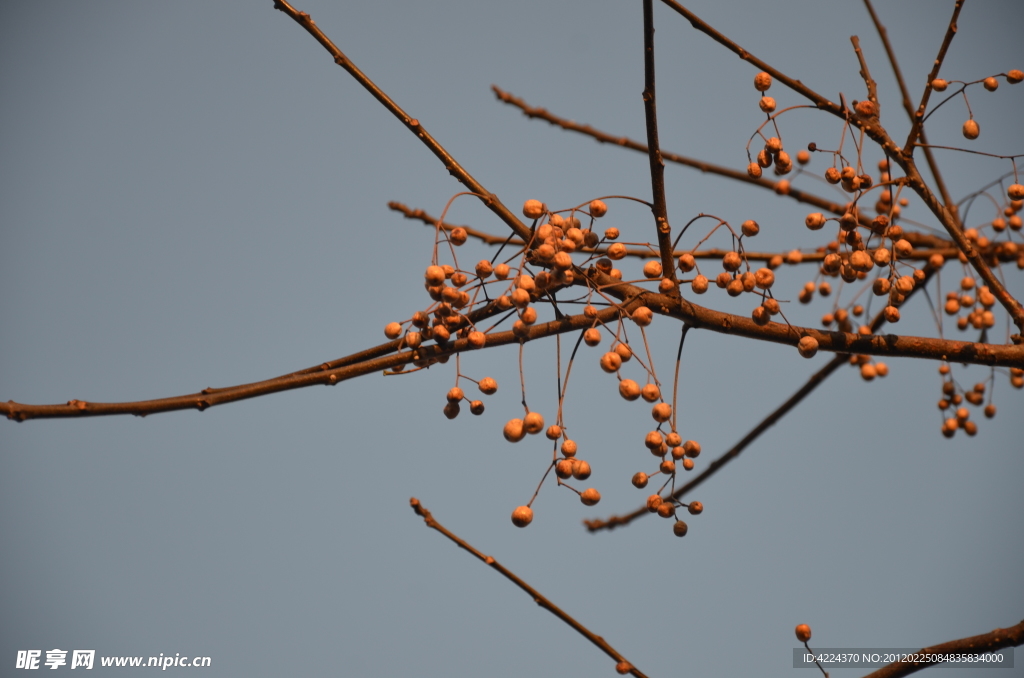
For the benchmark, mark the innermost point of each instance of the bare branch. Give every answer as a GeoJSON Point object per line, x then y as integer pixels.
{"type": "Point", "coordinates": [537, 596]}
{"type": "Point", "coordinates": [612, 522]}
{"type": "Point", "coordinates": [865, 73]}
{"type": "Point", "coordinates": [414, 126]}
{"type": "Point", "coordinates": [918, 239]}
{"type": "Point", "coordinates": [660, 207]}
{"type": "Point", "coordinates": [908, 106]}
{"type": "Point", "coordinates": [918, 120]}
{"type": "Point", "coordinates": [986, 642]}
{"type": "Point", "coordinates": [705, 167]}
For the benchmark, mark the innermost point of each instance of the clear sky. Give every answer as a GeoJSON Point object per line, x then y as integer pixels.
{"type": "Point", "coordinates": [194, 195]}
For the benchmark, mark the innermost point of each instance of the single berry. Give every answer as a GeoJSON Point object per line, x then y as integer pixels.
{"type": "Point", "coordinates": [522, 516]}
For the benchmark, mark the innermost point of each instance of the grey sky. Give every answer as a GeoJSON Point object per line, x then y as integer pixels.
{"type": "Point", "coordinates": [194, 195]}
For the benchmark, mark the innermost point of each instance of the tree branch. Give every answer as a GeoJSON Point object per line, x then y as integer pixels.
{"type": "Point", "coordinates": [537, 596]}
{"type": "Point", "coordinates": [933, 166]}
{"type": "Point", "coordinates": [413, 125]}
{"type": "Point", "coordinates": [660, 207]}
{"type": "Point", "coordinates": [986, 642]}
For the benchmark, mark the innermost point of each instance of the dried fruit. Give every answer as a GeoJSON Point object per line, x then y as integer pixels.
{"type": "Point", "coordinates": [680, 529]}
{"type": "Point", "coordinates": [590, 496]}
{"type": "Point", "coordinates": [533, 209]}
{"type": "Point", "coordinates": [514, 431]}
{"type": "Point", "coordinates": [803, 631]}
{"type": "Point", "coordinates": [762, 81]}
{"type": "Point", "coordinates": [767, 104]}
{"type": "Point", "coordinates": [990, 83]}
{"type": "Point", "coordinates": [533, 423]}
{"type": "Point", "coordinates": [650, 392]}
{"type": "Point", "coordinates": [750, 228]}
{"type": "Point", "coordinates": [611, 362]}
{"type": "Point", "coordinates": [629, 389]}
{"type": "Point", "coordinates": [971, 129]}
{"type": "Point", "coordinates": [807, 346]}
{"type": "Point", "coordinates": [522, 516]}
{"type": "Point", "coordinates": [598, 208]}
{"type": "Point", "coordinates": [939, 85]}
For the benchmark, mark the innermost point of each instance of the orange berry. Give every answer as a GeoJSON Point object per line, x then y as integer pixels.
{"type": "Point", "coordinates": [476, 407]}
{"type": "Point", "coordinates": [754, 170]}
{"type": "Point", "coordinates": [514, 431]}
{"type": "Point", "coordinates": [803, 157]}
{"type": "Point", "coordinates": [695, 508]}
{"type": "Point", "coordinates": [522, 516]}
{"type": "Point", "coordinates": [554, 432]}
{"type": "Point", "coordinates": [580, 469]}
{"type": "Point", "coordinates": [533, 209]}
{"type": "Point", "coordinates": [762, 81]}
{"type": "Point", "coordinates": [639, 480]}
{"type": "Point", "coordinates": [392, 330]}
{"type": "Point", "coordinates": [653, 502]}
{"type": "Point", "coordinates": [767, 104]}
{"type": "Point", "coordinates": [803, 633]}
{"type": "Point", "coordinates": [939, 85]}
{"type": "Point", "coordinates": [642, 316]}
{"type": "Point", "coordinates": [623, 667]}
{"type": "Point", "coordinates": [808, 346]}
{"type": "Point", "coordinates": [477, 339]}
{"type": "Point", "coordinates": [650, 392]}
{"type": "Point", "coordinates": [488, 386]}
{"type": "Point", "coordinates": [611, 362]}
{"type": "Point", "coordinates": [699, 285]}
{"type": "Point", "coordinates": [598, 209]}
{"type": "Point", "coordinates": [590, 496]}
{"type": "Point", "coordinates": [688, 464]}
{"type": "Point", "coordinates": [691, 448]}
{"type": "Point", "coordinates": [668, 467]}
{"type": "Point", "coordinates": [1014, 76]}
{"type": "Point", "coordinates": [629, 389]}
{"type": "Point", "coordinates": [1015, 191]}
{"type": "Point", "coordinates": [451, 410]}
{"type": "Point", "coordinates": [750, 228]}
{"type": "Point", "coordinates": [991, 84]}
{"type": "Point", "coordinates": [533, 423]}
{"type": "Point", "coordinates": [661, 412]}
{"type": "Point", "coordinates": [652, 269]}
{"type": "Point", "coordinates": [568, 448]}
{"type": "Point", "coordinates": [971, 129]}
{"type": "Point", "coordinates": [624, 351]}
{"type": "Point", "coordinates": [455, 394]}
{"type": "Point", "coordinates": [563, 469]}
{"type": "Point", "coordinates": [680, 529]}
{"type": "Point", "coordinates": [616, 251]}
{"type": "Point", "coordinates": [592, 337]}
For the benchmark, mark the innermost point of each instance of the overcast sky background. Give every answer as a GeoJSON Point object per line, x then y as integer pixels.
{"type": "Point", "coordinates": [194, 195]}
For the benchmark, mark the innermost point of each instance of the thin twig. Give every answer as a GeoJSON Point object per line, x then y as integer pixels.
{"type": "Point", "coordinates": [414, 126]}
{"type": "Point", "coordinates": [537, 596]}
{"type": "Point", "coordinates": [660, 207]}
{"type": "Point", "coordinates": [705, 167]}
{"type": "Point", "coordinates": [908, 106]}
{"type": "Point", "coordinates": [918, 119]}
{"type": "Point", "coordinates": [930, 244]}
{"type": "Point", "coordinates": [769, 421]}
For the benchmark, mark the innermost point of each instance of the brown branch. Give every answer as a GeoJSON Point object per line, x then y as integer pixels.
{"type": "Point", "coordinates": [986, 642]}
{"type": "Point", "coordinates": [618, 520]}
{"type": "Point", "coordinates": [769, 421]}
{"type": "Point", "coordinates": [909, 107]}
{"type": "Point", "coordinates": [705, 167]}
{"type": "Point", "coordinates": [414, 126]}
{"type": "Point", "coordinates": [903, 157]}
{"type": "Point", "coordinates": [919, 254]}
{"type": "Point", "coordinates": [537, 596]}
{"type": "Point", "coordinates": [660, 206]}
{"type": "Point", "coordinates": [865, 73]}
{"type": "Point", "coordinates": [918, 120]}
